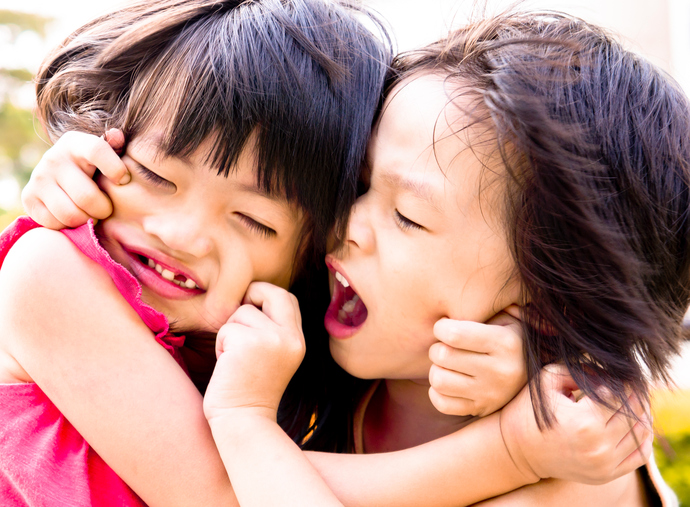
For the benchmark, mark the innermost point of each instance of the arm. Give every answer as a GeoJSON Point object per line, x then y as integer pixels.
{"type": "Point", "coordinates": [259, 351]}
{"type": "Point", "coordinates": [588, 443]}
{"type": "Point", "coordinates": [627, 490]}
{"type": "Point", "coordinates": [99, 364]}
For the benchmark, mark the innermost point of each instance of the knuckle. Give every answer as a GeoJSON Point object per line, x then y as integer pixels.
{"type": "Point", "coordinates": [439, 401]}
{"type": "Point", "coordinates": [437, 378]}
{"type": "Point", "coordinates": [71, 217]}
{"type": "Point", "coordinates": [442, 353]}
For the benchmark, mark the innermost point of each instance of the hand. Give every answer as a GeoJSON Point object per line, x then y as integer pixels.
{"type": "Point", "coordinates": [61, 192]}
{"type": "Point", "coordinates": [477, 368]}
{"type": "Point", "coordinates": [586, 443]}
{"type": "Point", "coordinates": [258, 349]}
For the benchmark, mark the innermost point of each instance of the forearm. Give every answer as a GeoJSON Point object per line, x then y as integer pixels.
{"type": "Point", "coordinates": [627, 490]}
{"type": "Point", "coordinates": [465, 467]}
{"type": "Point", "coordinates": [264, 464]}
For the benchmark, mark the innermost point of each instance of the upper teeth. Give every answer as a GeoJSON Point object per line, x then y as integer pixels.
{"type": "Point", "coordinates": [170, 276]}
{"type": "Point", "coordinates": [341, 279]}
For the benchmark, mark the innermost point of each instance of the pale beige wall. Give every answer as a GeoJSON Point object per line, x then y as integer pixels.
{"type": "Point", "coordinates": [658, 29]}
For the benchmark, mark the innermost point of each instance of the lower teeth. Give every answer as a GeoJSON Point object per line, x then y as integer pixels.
{"type": "Point", "coordinates": [347, 308]}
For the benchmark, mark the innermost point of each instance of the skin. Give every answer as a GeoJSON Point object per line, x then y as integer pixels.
{"type": "Point", "coordinates": [77, 359]}
{"type": "Point", "coordinates": [255, 365]}
{"type": "Point", "coordinates": [151, 406]}
{"type": "Point", "coordinates": [424, 242]}
{"type": "Point", "coordinates": [239, 235]}
{"type": "Point", "coordinates": [421, 246]}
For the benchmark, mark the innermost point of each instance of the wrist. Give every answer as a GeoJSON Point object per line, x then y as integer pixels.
{"type": "Point", "coordinates": [232, 418]}
{"type": "Point", "coordinates": [515, 453]}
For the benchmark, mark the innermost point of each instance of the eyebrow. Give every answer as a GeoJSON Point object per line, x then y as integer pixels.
{"type": "Point", "coordinates": [419, 189]}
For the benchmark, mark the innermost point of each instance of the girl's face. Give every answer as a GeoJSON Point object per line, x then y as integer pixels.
{"type": "Point", "coordinates": [421, 243]}
{"type": "Point", "coordinates": [195, 240]}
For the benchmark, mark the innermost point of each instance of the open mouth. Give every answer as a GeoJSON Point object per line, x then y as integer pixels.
{"type": "Point", "coordinates": [347, 312]}
{"type": "Point", "coordinates": [177, 278]}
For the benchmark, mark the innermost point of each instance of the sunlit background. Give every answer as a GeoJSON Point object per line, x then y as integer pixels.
{"type": "Point", "coordinates": [657, 29]}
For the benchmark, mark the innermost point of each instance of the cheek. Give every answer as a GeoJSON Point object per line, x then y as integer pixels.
{"type": "Point", "coordinates": [127, 199]}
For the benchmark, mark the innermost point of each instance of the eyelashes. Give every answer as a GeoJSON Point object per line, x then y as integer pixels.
{"type": "Point", "coordinates": [152, 177]}
{"type": "Point", "coordinates": [253, 225]}
{"type": "Point", "coordinates": [257, 227]}
{"type": "Point", "coordinates": [405, 223]}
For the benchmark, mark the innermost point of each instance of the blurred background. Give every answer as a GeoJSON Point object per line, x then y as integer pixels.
{"type": "Point", "coordinates": [657, 29]}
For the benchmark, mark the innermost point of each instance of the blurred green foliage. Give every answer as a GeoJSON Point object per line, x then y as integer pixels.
{"type": "Point", "coordinates": [17, 22]}
{"type": "Point", "coordinates": [672, 454]}
{"type": "Point", "coordinates": [20, 143]}
{"type": "Point", "coordinates": [671, 410]}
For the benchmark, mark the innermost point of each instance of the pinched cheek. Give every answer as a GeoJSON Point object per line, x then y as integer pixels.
{"type": "Point", "coordinates": [215, 315]}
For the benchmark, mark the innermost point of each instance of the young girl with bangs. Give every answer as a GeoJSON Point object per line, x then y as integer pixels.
{"type": "Point", "coordinates": [175, 222]}
{"type": "Point", "coordinates": [525, 160]}
{"type": "Point", "coordinates": [243, 121]}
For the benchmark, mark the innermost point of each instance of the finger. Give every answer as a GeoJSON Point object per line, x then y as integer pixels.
{"type": "Point", "coordinates": [466, 335]}
{"type": "Point", "coordinates": [458, 360]}
{"type": "Point", "coordinates": [278, 304]}
{"type": "Point", "coordinates": [451, 405]}
{"type": "Point", "coordinates": [624, 417]}
{"type": "Point", "coordinates": [40, 214]}
{"type": "Point", "coordinates": [513, 311]}
{"type": "Point", "coordinates": [450, 383]}
{"type": "Point", "coordinates": [61, 207]}
{"type": "Point", "coordinates": [250, 316]}
{"type": "Point", "coordinates": [232, 333]}
{"type": "Point", "coordinates": [116, 139]}
{"type": "Point", "coordinates": [636, 458]}
{"type": "Point", "coordinates": [639, 432]}
{"type": "Point", "coordinates": [93, 153]}
{"type": "Point", "coordinates": [85, 194]}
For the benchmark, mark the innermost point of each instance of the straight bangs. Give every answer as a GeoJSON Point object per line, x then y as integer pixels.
{"type": "Point", "coordinates": [302, 79]}
{"type": "Point", "coordinates": [272, 80]}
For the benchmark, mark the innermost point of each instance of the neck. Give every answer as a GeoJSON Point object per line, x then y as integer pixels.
{"type": "Point", "coordinates": [400, 415]}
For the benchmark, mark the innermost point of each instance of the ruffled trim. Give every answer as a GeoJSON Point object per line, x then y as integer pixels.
{"type": "Point", "coordinates": [84, 238]}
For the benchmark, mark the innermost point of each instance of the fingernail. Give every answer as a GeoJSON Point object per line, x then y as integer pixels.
{"type": "Point", "coordinates": [126, 178]}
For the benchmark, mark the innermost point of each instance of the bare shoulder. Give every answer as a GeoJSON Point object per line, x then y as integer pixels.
{"type": "Point", "coordinates": [50, 290]}
{"type": "Point", "coordinates": [39, 252]}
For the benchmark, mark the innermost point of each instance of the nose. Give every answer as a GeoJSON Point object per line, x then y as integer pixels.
{"type": "Point", "coordinates": [182, 231]}
{"type": "Point", "coordinates": [360, 233]}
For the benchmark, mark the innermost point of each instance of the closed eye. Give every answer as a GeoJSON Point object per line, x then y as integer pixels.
{"type": "Point", "coordinates": [257, 227]}
{"type": "Point", "coordinates": [405, 223]}
{"type": "Point", "coordinates": [153, 177]}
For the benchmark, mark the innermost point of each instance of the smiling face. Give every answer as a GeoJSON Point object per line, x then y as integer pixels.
{"type": "Point", "coordinates": [422, 242]}
{"type": "Point", "coordinates": [195, 240]}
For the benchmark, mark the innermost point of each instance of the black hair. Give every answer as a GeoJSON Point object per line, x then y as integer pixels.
{"type": "Point", "coordinates": [300, 79]}
{"type": "Point", "coordinates": [595, 142]}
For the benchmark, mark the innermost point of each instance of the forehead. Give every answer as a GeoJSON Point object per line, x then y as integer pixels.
{"type": "Point", "coordinates": [428, 145]}
{"type": "Point", "coordinates": [240, 183]}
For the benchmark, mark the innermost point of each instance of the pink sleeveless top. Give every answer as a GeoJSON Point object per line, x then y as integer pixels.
{"type": "Point", "coordinates": [44, 461]}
